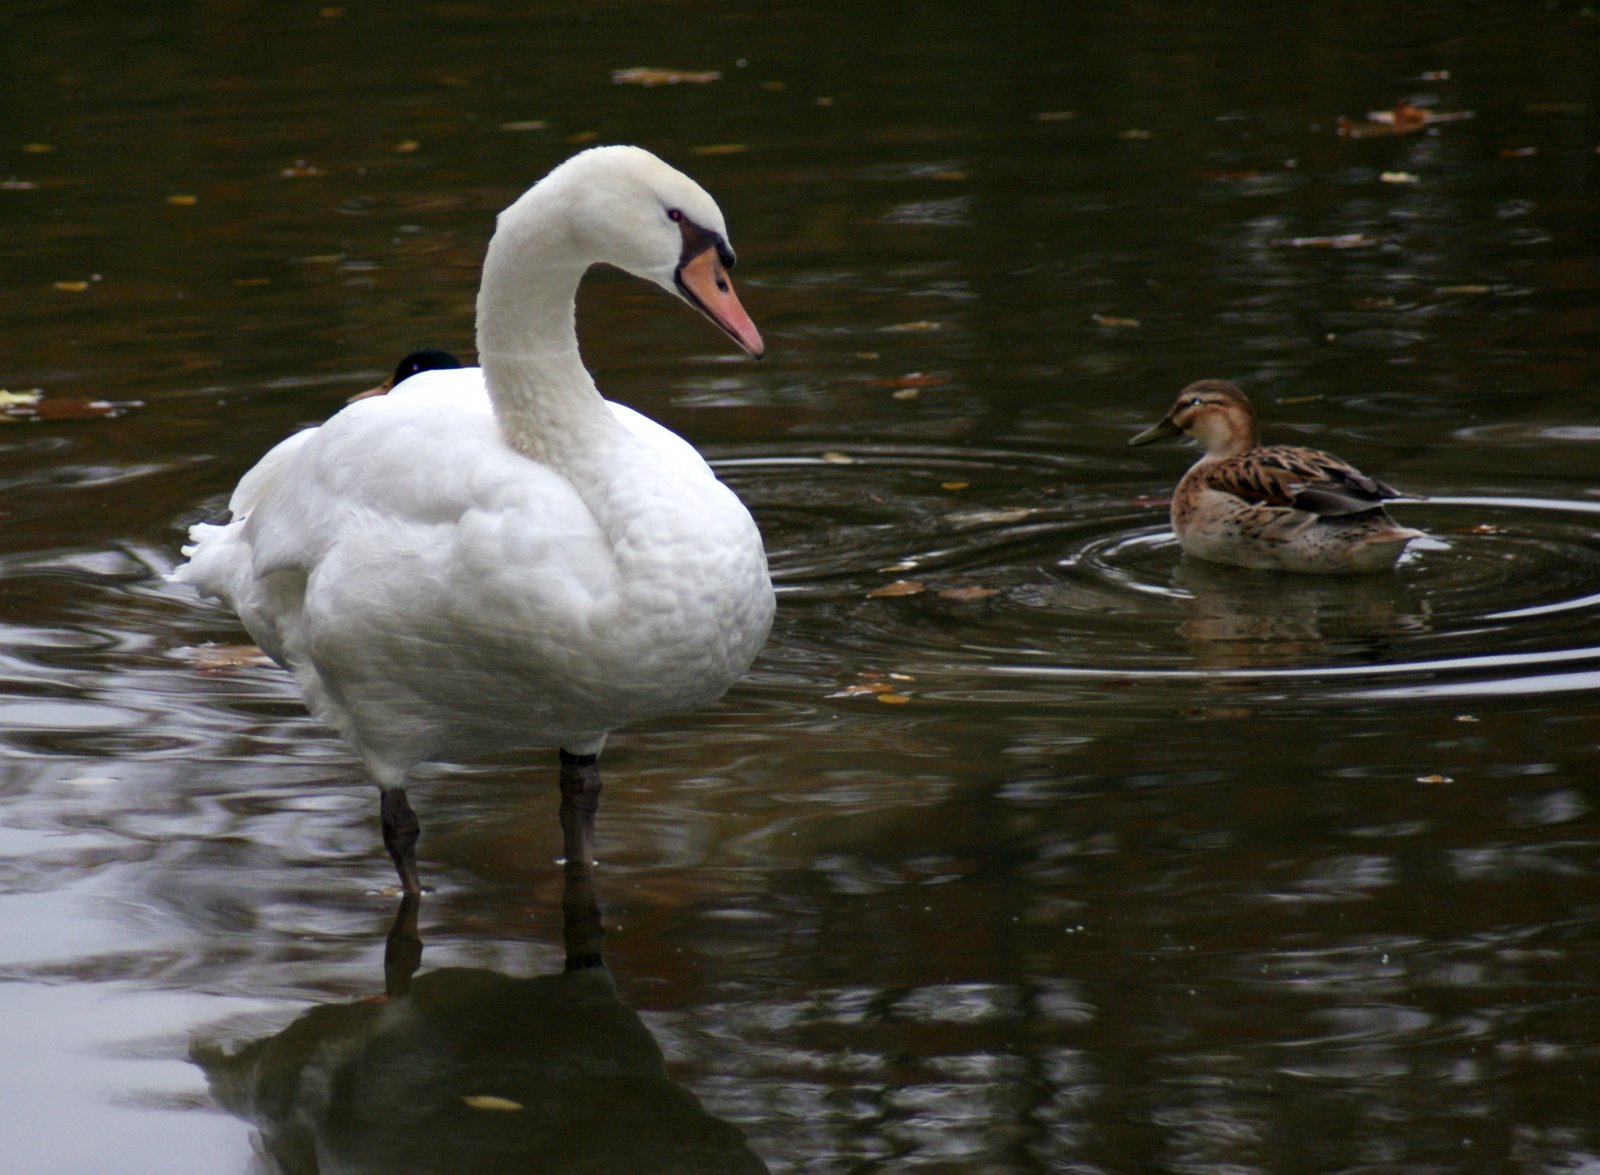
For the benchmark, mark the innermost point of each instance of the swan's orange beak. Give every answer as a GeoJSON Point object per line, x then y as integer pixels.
{"type": "Point", "coordinates": [704, 281]}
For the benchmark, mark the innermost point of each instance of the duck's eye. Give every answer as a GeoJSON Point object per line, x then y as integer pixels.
{"type": "Point", "coordinates": [1195, 401]}
{"type": "Point", "coordinates": [675, 216]}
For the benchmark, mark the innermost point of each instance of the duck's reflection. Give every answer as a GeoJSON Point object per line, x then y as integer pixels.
{"type": "Point", "coordinates": [465, 1070]}
{"type": "Point", "coordinates": [1252, 619]}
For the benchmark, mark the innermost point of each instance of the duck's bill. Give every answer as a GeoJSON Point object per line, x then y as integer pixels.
{"type": "Point", "coordinates": [704, 281]}
{"type": "Point", "coordinates": [1157, 432]}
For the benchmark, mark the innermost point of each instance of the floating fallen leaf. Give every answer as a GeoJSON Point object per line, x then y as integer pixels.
{"type": "Point", "coordinates": [1464, 289]}
{"type": "Point", "coordinates": [908, 393]}
{"type": "Point", "coordinates": [901, 677]}
{"type": "Point", "coordinates": [863, 689]}
{"type": "Point", "coordinates": [38, 149]}
{"type": "Point", "coordinates": [488, 1101]}
{"type": "Point", "coordinates": [1434, 779]}
{"type": "Point", "coordinates": [406, 147]}
{"type": "Point", "coordinates": [1343, 241]}
{"type": "Point", "coordinates": [833, 458]}
{"type": "Point", "coordinates": [1468, 718]}
{"type": "Point", "coordinates": [215, 659]}
{"type": "Point", "coordinates": [525, 124]}
{"type": "Point", "coordinates": [57, 408]}
{"type": "Point", "coordinates": [1113, 321]}
{"type": "Point", "coordinates": [73, 287]}
{"type": "Point", "coordinates": [954, 485]}
{"type": "Point", "coordinates": [1399, 177]}
{"type": "Point", "coordinates": [1055, 116]}
{"type": "Point", "coordinates": [651, 76]}
{"type": "Point", "coordinates": [183, 201]}
{"type": "Point", "coordinates": [1310, 398]}
{"type": "Point", "coordinates": [1403, 119]}
{"type": "Point", "coordinates": [893, 699]}
{"type": "Point", "coordinates": [900, 587]}
{"type": "Point", "coordinates": [912, 379]}
{"type": "Point", "coordinates": [720, 149]}
{"type": "Point", "coordinates": [969, 593]}
{"type": "Point", "coordinates": [919, 325]}
{"type": "Point", "coordinates": [989, 517]}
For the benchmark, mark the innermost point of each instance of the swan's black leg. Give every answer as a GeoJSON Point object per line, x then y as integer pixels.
{"type": "Point", "coordinates": [400, 832]}
{"type": "Point", "coordinates": [580, 800]}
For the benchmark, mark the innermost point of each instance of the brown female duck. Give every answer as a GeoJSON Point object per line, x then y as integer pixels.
{"type": "Point", "coordinates": [1272, 507]}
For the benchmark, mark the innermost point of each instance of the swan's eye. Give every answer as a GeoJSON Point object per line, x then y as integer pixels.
{"type": "Point", "coordinates": [675, 216]}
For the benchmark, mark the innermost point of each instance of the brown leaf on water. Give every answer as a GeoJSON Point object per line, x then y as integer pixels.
{"type": "Point", "coordinates": [954, 485]}
{"type": "Point", "coordinates": [645, 75]}
{"type": "Point", "coordinates": [1464, 290]}
{"type": "Point", "coordinates": [70, 287]}
{"type": "Point", "coordinates": [525, 124]}
{"type": "Point", "coordinates": [720, 149]}
{"type": "Point", "coordinates": [893, 699]}
{"type": "Point", "coordinates": [969, 593]}
{"type": "Point", "coordinates": [1435, 778]}
{"type": "Point", "coordinates": [862, 689]}
{"type": "Point", "coordinates": [406, 147]}
{"type": "Point", "coordinates": [907, 393]}
{"type": "Point", "coordinates": [216, 659]}
{"type": "Point", "coordinates": [1343, 241]}
{"type": "Point", "coordinates": [38, 149]}
{"type": "Point", "coordinates": [1111, 320]}
{"type": "Point", "coordinates": [833, 458]}
{"type": "Point", "coordinates": [920, 325]}
{"type": "Point", "coordinates": [183, 201]}
{"type": "Point", "coordinates": [900, 587]}
{"type": "Point", "coordinates": [53, 408]}
{"type": "Point", "coordinates": [912, 379]}
{"type": "Point", "coordinates": [489, 1101]}
{"type": "Point", "coordinates": [1403, 119]}
{"type": "Point", "coordinates": [1055, 116]}
{"type": "Point", "coordinates": [1399, 177]}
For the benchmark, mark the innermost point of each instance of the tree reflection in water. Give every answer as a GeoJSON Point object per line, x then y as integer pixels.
{"type": "Point", "coordinates": [464, 1069]}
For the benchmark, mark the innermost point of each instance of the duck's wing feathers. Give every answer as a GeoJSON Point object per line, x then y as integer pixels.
{"type": "Point", "coordinates": [1308, 480]}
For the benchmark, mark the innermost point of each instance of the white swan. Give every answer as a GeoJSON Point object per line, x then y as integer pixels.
{"type": "Point", "coordinates": [494, 558]}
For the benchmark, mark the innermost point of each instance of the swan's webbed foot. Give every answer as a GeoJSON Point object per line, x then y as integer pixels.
{"type": "Point", "coordinates": [580, 800]}
{"type": "Point", "coordinates": [400, 832]}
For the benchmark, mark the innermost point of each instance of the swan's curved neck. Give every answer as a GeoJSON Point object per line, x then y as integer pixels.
{"type": "Point", "coordinates": [544, 398]}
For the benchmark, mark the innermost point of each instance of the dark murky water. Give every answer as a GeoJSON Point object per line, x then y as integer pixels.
{"type": "Point", "coordinates": [1084, 857]}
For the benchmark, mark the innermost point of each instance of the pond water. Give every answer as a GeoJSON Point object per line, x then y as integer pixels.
{"type": "Point", "coordinates": [1065, 854]}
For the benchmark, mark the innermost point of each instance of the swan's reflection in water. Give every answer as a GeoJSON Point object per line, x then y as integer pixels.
{"type": "Point", "coordinates": [464, 1070]}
